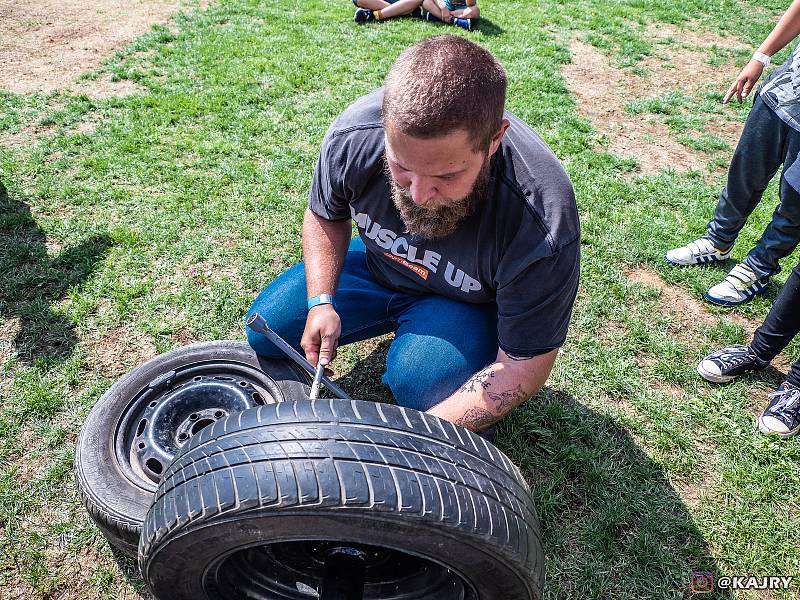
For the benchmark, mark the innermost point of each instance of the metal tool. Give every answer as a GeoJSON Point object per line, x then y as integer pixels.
{"type": "Point", "coordinates": [258, 324]}
{"type": "Point", "coordinates": [317, 378]}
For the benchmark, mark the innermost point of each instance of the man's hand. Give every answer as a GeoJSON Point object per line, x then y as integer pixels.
{"type": "Point", "coordinates": [321, 335]}
{"type": "Point", "coordinates": [745, 82]}
{"type": "Point", "coordinates": [445, 12]}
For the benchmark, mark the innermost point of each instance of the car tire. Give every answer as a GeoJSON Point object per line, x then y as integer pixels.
{"type": "Point", "coordinates": [254, 506]}
{"type": "Point", "coordinates": [114, 479]}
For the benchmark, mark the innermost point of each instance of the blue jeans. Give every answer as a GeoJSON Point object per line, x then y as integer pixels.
{"type": "Point", "coordinates": [439, 343]}
{"type": "Point", "coordinates": [766, 143]}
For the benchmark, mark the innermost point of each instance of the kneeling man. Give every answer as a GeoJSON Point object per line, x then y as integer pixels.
{"type": "Point", "coordinates": [468, 244]}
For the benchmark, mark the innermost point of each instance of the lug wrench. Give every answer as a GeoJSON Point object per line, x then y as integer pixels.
{"type": "Point", "coordinates": [258, 324]}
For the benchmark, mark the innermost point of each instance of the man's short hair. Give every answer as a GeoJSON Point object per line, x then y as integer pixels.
{"type": "Point", "coordinates": [443, 84]}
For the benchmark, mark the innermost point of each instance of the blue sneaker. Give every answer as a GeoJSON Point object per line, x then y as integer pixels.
{"type": "Point", "coordinates": [429, 16]}
{"type": "Point", "coordinates": [363, 15]}
{"type": "Point", "coordinates": [463, 23]}
{"type": "Point", "coordinates": [740, 286]}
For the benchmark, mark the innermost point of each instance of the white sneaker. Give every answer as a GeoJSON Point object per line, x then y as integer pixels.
{"type": "Point", "coordinates": [697, 252]}
{"type": "Point", "coordinates": [741, 285]}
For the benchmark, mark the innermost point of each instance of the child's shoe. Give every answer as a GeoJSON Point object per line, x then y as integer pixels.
{"type": "Point", "coordinates": [429, 16]}
{"type": "Point", "coordinates": [363, 15]}
{"type": "Point", "coordinates": [782, 416]}
{"type": "Point", "coordinates": [723, 365]}
{"type": "Point", "coordinates": [697, 252]}
{"type": "Point", "coordinates": [463, 23]}
{"type": "Point", "coordinates": [740, 286]}
{"type": "Point", "coordinates": [416, 13]}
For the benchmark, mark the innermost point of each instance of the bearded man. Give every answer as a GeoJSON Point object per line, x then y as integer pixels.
{"type": "Point", "coordinates": [468, 244]}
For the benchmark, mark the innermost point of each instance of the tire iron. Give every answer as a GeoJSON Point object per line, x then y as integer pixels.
{"type": "Point", "coordinates": [258, 324]}
{"type": "Point", "coordinates": [317, 378]}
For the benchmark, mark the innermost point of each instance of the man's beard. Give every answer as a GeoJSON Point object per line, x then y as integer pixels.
{"type": "Point", "coordinates": [435, 222]}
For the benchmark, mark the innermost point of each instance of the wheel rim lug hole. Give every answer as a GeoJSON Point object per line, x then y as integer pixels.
{"type": "Point", "coordinates": [219, 414]}
{"type": "Point", "coordinates": [194, 417]}
{"type": "Point", "coordinates": [183, 436]}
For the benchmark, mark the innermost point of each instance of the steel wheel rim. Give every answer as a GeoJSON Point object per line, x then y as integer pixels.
{"type": "Point", "coordinates": [164, 415]}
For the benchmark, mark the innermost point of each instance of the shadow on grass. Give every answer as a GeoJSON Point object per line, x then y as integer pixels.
{"type": "Point", "coordinates": [31, 281]}
{"type": "Point", "coordinates": [129, 567]}
{"type": "Point", "coordinates": [487, 27]}
{"type": "Point", "coordinates": [613, 526]}
{"type": "Point", "coordinates": [363, 381]}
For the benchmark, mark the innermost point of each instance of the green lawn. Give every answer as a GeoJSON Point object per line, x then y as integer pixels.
{"type": "Point", "coordinates": [157, 225]}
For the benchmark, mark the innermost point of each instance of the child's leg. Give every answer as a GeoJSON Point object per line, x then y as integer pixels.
{"type": "Point", "coordinates": [783, 232]}
{"type": "Point", "coordinates": [757, 158]}
{"type": "Point", "coordinates": [397, 9]}
{"type": "Point", "coordinates": [372, 4]}
{"type": "Point", "coordinates": [471, 12]}
{"type": "Point", "coordinates": [781, 325]}
{"type": "Point", "coordinates": [432, 7]}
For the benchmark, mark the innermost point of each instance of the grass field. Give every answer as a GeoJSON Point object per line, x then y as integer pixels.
{"type": "Point", "coordinates": [132, 225]}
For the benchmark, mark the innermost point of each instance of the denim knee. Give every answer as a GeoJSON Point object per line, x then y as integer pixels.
{"type": "Point", "coordinates": [283, 306]}
{"type": "Point", "coordinates": [421, 371]}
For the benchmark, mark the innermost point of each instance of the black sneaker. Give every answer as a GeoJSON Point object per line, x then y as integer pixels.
{"type": "Point", "coordinates": [416, 13]}
{"type": "Point", "coordinates": [363, 15]}
{"type": "Point", "coordinates": [723, 365]}
{"type": "Point", "coordinates": [782, 416]}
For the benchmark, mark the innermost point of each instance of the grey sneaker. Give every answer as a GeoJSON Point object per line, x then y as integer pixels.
{"type": "Point", "coordinates": [782, 416]}
{"type": "Point", "coordinates": [724, 365]}
{"type": "Point", "coordinates": [698, 252]}
{"type": "Point", "coordinates": [739, 286]}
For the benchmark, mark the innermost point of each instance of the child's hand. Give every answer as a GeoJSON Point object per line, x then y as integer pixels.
{"type": "Point", "coordinates": [445, 12]}
{"type": "Point", "coordinates": [745, 82]}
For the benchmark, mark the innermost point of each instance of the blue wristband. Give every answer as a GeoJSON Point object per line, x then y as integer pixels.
{"type": "Point", "coordinates": [321, 299]}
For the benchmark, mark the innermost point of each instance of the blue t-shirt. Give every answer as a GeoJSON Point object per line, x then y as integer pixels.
{"type": "Point", "coordinates": [519, 249]}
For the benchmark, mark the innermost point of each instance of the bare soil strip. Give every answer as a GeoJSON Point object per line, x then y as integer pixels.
{"type": "Point", "coordinates": [45, 45]}
{"type": "Point", "coordinates": [602, 91]}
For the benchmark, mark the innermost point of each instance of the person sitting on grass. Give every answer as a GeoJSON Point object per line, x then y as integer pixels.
{"type": "Point", "coordinates": [771, 137]}
{"type": "Point", "coordinates": [379, 10]}
{"type": "Point", "coordinates": [782, 415]}
{"type": "Point", "coordinates": [460, 13]}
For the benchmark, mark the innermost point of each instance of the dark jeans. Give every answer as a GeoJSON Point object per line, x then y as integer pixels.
{"type": "Point", "coordinates": [766, 143]}
{"type": "Point", "coordinates": [781, 325]}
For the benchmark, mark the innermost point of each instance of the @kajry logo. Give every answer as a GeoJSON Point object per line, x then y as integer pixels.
{"type": "Point", "coordinates": [702, 582]}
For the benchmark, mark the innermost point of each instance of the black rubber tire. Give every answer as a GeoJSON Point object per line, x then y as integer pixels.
{"type": "Point", "coordinates": [348, 471]}
{"type": "Point", "coordinates": [118, 503]}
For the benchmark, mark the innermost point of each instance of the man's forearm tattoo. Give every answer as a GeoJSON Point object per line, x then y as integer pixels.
{"type": "Point", "coordinates": [477, 419]}
{"type": "Point", "coordinates": [509, 399]}
{"type": "Point", "coordinates": [481, 380]}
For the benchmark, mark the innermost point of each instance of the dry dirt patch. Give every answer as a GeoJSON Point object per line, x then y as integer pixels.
{"type": "Point", "coordinates": [46, 44]}
{"type": "Point", "coordinates": [688, 312]}
{"type": "Point", "coordinates": [602, 91]}
{"type": "Point", "coordinates": [119, 351]}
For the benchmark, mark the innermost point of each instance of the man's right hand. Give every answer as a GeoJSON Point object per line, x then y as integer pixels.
{"type": "Point", "coordinates": [321, 335]}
